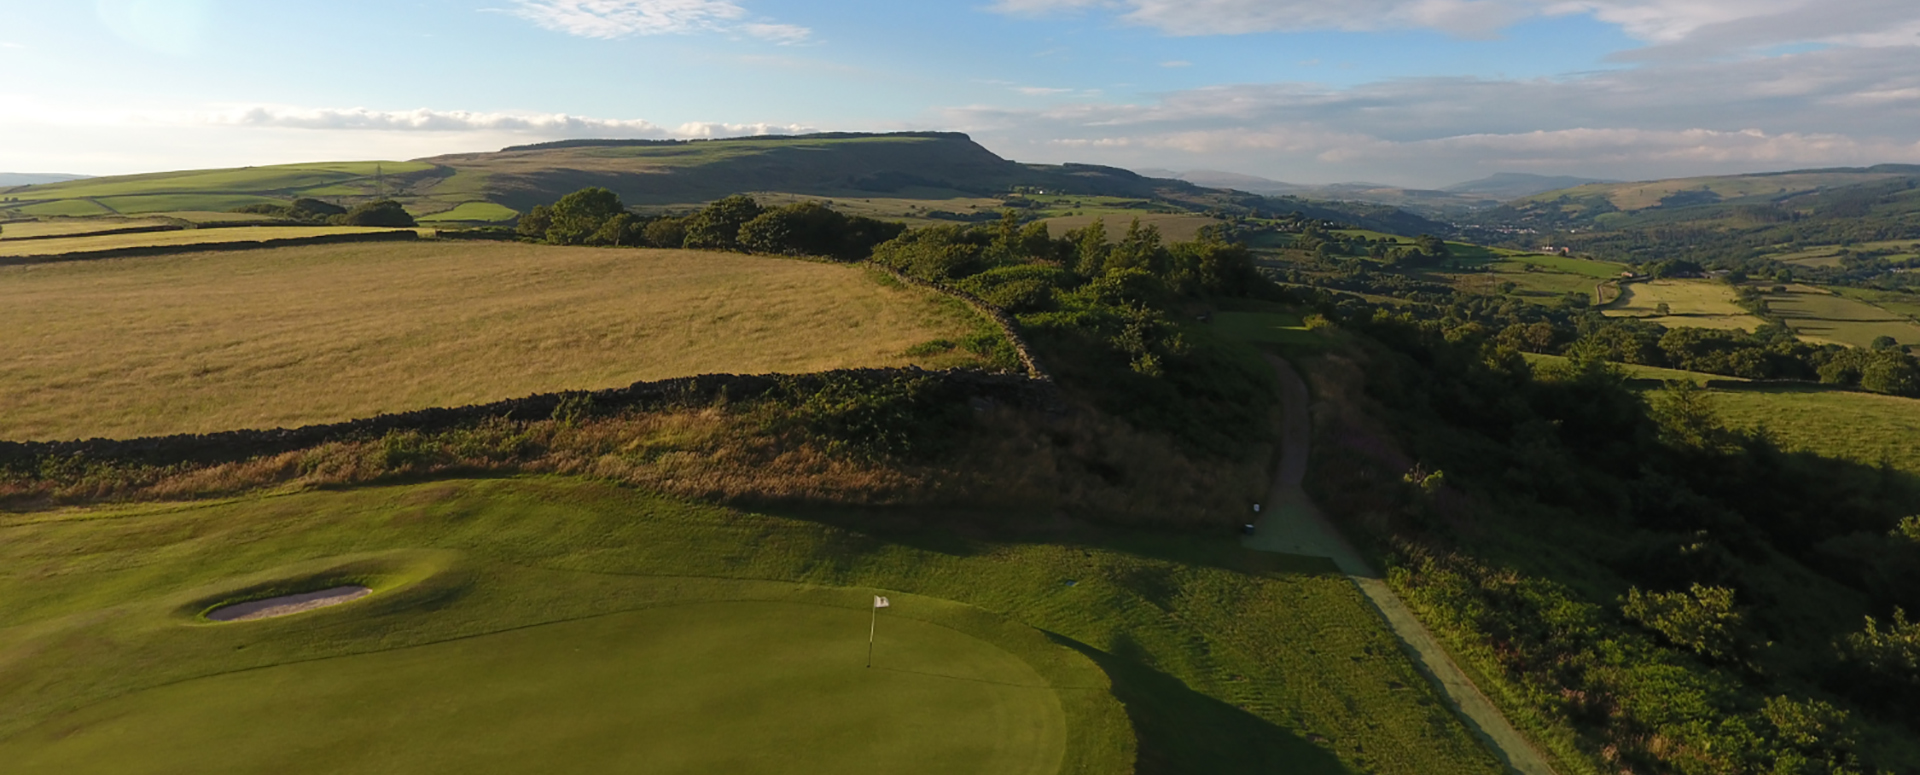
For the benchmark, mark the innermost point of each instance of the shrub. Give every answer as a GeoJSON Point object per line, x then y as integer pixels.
{"type": "Point", "coordinates": [579, 216]}
{"type": "Point", "coordinates": [718, 226]}
{"type": "Point", "coordinates": [1702, 620]}
{"type": "Point", "coordinates": [385, 212]}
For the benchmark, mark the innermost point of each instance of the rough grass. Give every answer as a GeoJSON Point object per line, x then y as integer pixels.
{"type": "Point", "coordinates": [1861, 427]}
{"type": "Point", "coordinates": [293, 336]}
{"type": "Point", "coordinates": [1818, 315]}
{"type": "Point", "coordinates": [1640, 196]}
{"type": "Point", "coordinates": [82, 244]}
{"type": "Point", "coordinates": [1264, 328]}
{"type": "Point", "coordinates": [275, 179]}
{"type": "Point", "coordinates": [1636, 371]}
{"type": "Point", "coordinates": [1691, 304]}
{"type": "Point", "coordinates": [1227, 661]}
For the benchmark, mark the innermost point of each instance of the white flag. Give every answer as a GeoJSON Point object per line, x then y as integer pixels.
{"type": "Point", "coordinates": [880, 602]}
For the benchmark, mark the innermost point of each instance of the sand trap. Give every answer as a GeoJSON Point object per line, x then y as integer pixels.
{"type": "Point", "coordinates": [289, 605]}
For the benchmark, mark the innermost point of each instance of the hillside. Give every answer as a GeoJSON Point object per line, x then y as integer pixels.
{"type": "Point", "coordinates": [1506, 186]}
{"type": "Point", "coordinates": [909, 176]}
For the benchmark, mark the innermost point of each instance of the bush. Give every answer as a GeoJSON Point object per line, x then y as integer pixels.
{"type": "Point", "coordinates": [1701, 620]}
{"type": "Point", "coordinates": [1020, 289]}
{"type": "Point", "coordinates": [813, 229]}
{"type": "Point", "coordinates": [718, 226]}
{"type": "Point", "coordinates": [385, 213]}
{"type": "Point", "coordinates": [579, 216]}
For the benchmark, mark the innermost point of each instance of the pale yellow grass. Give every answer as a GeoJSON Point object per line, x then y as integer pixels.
{"type": "Point", "coordinates": [54, 247]}
{"type": "Point", "coordinates": [294, 336]}
{"type": "Point", "coordinates": [1690, 304]}
{"type": "Point", "coordinates": [75, 226]}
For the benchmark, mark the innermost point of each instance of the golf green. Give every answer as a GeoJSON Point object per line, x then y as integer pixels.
{"type": "Point", "coordinates": [736, 687]}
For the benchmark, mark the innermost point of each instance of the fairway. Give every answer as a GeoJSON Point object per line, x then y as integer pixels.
{"type": "Point", "coordinates": [739, 687]}
{"type": "Point", "coordinates": [296, 336]}
{"type": "Point", "coordinates": [506, 611]}
{"type": "Point", "coordinates": [1690, 304]}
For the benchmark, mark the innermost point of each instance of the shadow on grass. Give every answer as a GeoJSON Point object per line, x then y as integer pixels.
{"type": "Point", "coordinates": [1183, 731]}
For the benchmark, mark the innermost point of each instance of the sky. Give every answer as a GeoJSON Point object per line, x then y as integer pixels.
{"type": "Point", "coordinates": [1404, 92]}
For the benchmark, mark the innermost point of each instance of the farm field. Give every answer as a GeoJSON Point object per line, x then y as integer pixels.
{"type": "Point", "coordinates": [73, 227]}
{"type": "Point", "coordinates": [1820, 316]}
{"type": "Point", "coordinates": [188, 237]}
{"type": "Point", "coordinates": [1861, 427]}
{"type": "Point", "coordinates": [1903, 304]}
{"type": "Point", "coordinates": [1636, 371]}
{"type": "Point", "coordinates": [652, 633]}
{"type": "Point", "coordinates": [473, 212]}
{"type": "Point", "coordinates": [1173, 228]}
{"type": "Point", "coordinates": [1690, 303]}
{"type": "Point", "coordinates": [294, 336]}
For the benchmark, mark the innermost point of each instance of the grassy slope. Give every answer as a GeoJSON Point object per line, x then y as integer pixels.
{"type": "Point", "coordinates": [1227, 661]}
{"type": "Point", "coordinates": [1819, 315]}
{"type": "Point", "coordinates": [1861, 427]}
{"type": "Point", "coordinates": [292, 336]}
{"type": "Point", "coordinates": [1639, 196]}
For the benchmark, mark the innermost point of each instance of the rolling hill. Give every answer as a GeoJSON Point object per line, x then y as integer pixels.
{"type": "Point", "coordinates": [911, 172]}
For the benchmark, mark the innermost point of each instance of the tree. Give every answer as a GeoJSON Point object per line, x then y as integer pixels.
{"type": "Point", "coordinates": [578, 216]}
{"type": "Point", "coordinates": [718, 226]}
{"type": "Point", "coordinates": [1090, 248]}
{"type": "Point", "coordinates": [620, 231]}
{"type": "Point", "coordinates": [535, 223]}
{"type": "Point", "coordinates": [385, 212]}
{"type": "Point", "coordinates": [1892, 373]}
{"type": "Point", "coordinates": [667, 232]}
{"type": "Point", "coordinates": [1885, 343]}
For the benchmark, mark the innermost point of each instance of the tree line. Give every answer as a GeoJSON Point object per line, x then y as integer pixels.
{"type": "Point", "coordinates": [596, 216]}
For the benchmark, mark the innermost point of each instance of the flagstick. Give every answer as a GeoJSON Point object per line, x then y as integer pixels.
{"type": "Point", "coordinates": [872, 628]}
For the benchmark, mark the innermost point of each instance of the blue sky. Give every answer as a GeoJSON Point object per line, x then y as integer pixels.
{"type": "Point", "coordinates": [1411, 92]}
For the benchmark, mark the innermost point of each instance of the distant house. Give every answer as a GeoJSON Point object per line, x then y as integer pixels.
{"type": "Point", "coordinates": [1553, 251]}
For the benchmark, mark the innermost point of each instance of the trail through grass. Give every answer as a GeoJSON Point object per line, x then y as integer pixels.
{"type": "Point", "coordinates": [294, 336]}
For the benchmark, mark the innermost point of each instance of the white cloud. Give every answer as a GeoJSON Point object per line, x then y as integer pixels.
{"type": "Point", "coordinates": [1724, 24]}
{"type": "Point", "coordinates": [1839, 106]}
{"type": "Point", "coordinates": [609, 19]}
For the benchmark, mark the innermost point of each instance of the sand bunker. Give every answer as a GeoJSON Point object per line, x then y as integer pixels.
{"type": "Point", "coordinates": [288, 605]}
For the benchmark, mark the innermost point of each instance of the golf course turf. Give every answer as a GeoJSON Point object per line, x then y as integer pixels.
{"type": "Point", "coordinates": [581, 626]}
{"type": "Point", "coordinates": [737, 687]}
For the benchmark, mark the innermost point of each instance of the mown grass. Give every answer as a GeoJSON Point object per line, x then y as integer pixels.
{"type": "Point", "coordinates": [1690, 304]}
{"type": "Point", "coordinates": [1818, 315]}
{"type": "Point", "coordinates": [84, 243]}
{"type": "Point", "coordinates": [293, 336]}
{"type": "Point", "coordinates": [1226, 661]}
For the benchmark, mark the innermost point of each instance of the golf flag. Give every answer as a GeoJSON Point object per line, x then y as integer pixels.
{"type": "Point", "coordinates": [881, 602]}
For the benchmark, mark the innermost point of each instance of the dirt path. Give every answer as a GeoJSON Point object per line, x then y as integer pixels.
{"type": "Point", "coordinates": [1291, 524]}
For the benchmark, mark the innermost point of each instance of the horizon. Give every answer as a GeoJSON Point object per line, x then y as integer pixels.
{"type": "Point", "coordinates": [1408, 93]}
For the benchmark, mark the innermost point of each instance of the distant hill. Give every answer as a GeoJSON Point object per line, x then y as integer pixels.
{"type": "Point", "coordinates": [932, 174]}
{"type": "Point", "coordinates": [1506, 186]}
{"type": "Point", "coordinates": [1424, 202]}
{"type": "Point", "coordinates": [11, 179]}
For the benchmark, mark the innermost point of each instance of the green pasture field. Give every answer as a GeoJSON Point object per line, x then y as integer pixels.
{"type": "Point", "coordinates": [1636, 371]}
{"type": "Point", "coordinates": [161, 203]}
{"type": "Point", "coordinates": [1902, 304]}
{"type": "Point", "coordinates": [300, 335]}
{"type": "Point", "coordinates": [72, 227]}
{"type": "Point", "coordinates": [73, 208]}
{"type": "Point", "coordinates": [276, 179]}
{"type": "Point", "coordinates": [82, 244]}
{"type": "Point", "coordinates": [1528, 284]}
{"type": "Point", "coordinates": [1861, 427]}
{"type": "Point", "coordinates": [547, 624]}
{"type": "Point", "coordinates": [474, 212]}
{"type": "Point", "coordinates": [1598, 270]}
{"type": "Point", "coordinates": [1173, 228]}
{"type": "Point", "coordinates": [1265, 328]}
{"type": "Point", "coordinates": [1690, 303]}
{"type": "Point", "coordinates": [1817, 315]}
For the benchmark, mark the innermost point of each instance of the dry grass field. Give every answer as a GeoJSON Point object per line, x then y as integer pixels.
{"type": "Point", "coordinates": [82, 244]}
{"type": "Point", "coordinates": [65, 227]}
{"type": "Point", "coordinates": [293, 336]}
{"type": "Point", "coordinates": [1690, 304]}
{"type": "Point", "coordinates": [1823, 317]}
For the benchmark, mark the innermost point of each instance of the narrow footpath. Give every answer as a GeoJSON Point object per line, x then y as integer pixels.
{"type": "Point", "coordinates": [1291, 524]}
